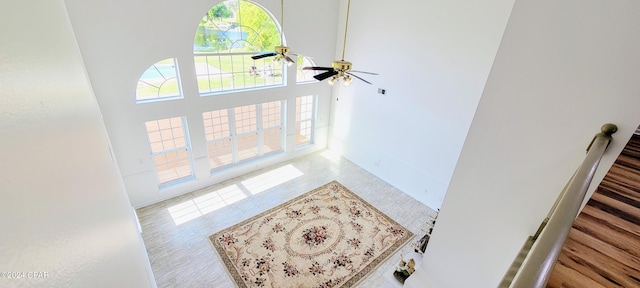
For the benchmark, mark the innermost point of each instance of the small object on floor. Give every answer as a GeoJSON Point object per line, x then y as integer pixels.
{"type": "Point", "coordinates": [422, 244]}
{"type": "Point", "coordinates": [404, 269]}
{"type": "Point", "coordinates": [400, 276]}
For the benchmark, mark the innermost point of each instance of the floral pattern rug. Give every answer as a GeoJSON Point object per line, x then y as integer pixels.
{"type": "Point", "coordinates": [328, 237]}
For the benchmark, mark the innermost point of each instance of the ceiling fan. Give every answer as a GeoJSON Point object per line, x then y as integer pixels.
{"type": "Point", "coordinates": [281, 51]}
{"type": "Point", "coordinates": [340, 68]}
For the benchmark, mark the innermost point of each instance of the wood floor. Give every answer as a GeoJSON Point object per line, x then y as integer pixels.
{"type": "Point", "coordinates": [603, 247]}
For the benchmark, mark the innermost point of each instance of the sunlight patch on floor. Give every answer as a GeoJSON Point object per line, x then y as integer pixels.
{"type": "Point", "coordinates": [271, 179]}
{"type": "Point", "coordinates": [202, 205]}
{"type": "Point", "coordinates": [184, 212]}
{"type": "Point", "coordinates": [218, 199]}
{"type": "Point", "coordinates": [192, 209]}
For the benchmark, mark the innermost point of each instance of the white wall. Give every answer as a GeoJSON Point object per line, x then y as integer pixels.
{"type": "Point", "coordinates": [563, 69]}
{"type": "Point", "coordinates": [433, 58]}
{"type": "Point", "coordinates": [119, 39]}
{"type": "Point", "coordinates": [63, 209]}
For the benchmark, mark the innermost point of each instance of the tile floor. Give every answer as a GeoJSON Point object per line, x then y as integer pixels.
{"type": "Point", "coordinates": [181, 254]}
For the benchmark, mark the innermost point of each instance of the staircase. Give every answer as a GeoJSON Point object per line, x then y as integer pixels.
{"type": "Point", "coordinates": [603, 247]}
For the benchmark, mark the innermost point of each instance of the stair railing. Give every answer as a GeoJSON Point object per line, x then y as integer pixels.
{"type": "Point", "coordinates": [545, 246]}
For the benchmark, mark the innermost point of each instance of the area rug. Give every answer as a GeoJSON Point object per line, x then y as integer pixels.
{"type": "Point", "coordinates": [328, 237]}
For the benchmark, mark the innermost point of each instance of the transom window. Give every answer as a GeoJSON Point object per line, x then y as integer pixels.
{"type": "Point", "coordinates": [228, 35]}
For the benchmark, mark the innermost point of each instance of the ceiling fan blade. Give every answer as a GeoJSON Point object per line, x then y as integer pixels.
{"type": "Point", "coordinates": [317, 68]}
{"type": "Point", "coordinates": [370, 73]}
{"type": "Point", "coordinates": [358, 77]}
{"type": "Point", "coordinates": [289, 59]}
{"type": "Point", "coordinates": [325, 75]}
{"type": "Point", "coordinates": [263, 55]}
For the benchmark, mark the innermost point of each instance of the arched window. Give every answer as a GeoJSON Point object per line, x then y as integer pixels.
{"type": "Point", "coordinates": [305, 76]}
{"type": "Point", "coordinates": [228, 35]}
{"type": "Point", "coordinates": [159, 82]}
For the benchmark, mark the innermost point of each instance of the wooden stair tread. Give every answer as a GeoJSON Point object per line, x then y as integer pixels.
{"type": "Point", "coordinates": [565, 277]}
{"type": "Point", "coordinates": [600, 267]}
{"type": "Point", "coordinates": [603, 247]}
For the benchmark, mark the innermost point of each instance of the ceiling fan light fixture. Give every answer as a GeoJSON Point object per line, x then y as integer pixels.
{"type": "Point", "coordinates": [346, 81]}
{"type": "Point", "coordinates": [333, 80]}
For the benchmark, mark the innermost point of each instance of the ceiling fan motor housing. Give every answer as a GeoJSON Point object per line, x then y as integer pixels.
{"type": "Point", "coordinates": [341, 65]}
{"type": "Point", "coordinates": [282, 49]}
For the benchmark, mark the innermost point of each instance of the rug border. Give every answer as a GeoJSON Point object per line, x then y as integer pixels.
{"type": "Point", "coordinates": [354, 279]}
{"type": "Point", "coordinates": [383, 258]}
{"type": "Point", "coordinates": [224, 263]}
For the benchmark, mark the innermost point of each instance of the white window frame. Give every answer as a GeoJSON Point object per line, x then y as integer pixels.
{"type": "Point", "coordinates": [179, 94]}
{"type": "Point", "coordinates": [261, 65]}
{"type": "Point", "coordinates": [312, 119]}
{"type": "Point", "coordinates": [260, 129]}
{"type": "Point", "coordinates": [187, 147]}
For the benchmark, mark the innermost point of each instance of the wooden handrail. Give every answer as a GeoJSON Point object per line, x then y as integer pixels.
{"type": "Point", "coordinates": [539, 262]}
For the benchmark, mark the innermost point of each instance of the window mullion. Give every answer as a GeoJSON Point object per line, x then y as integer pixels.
{"type": "Point", "coordinates": [233, 73]}
{"type": "Point", "coordinates": [234, 135]}
{"type": "Point", "coordinates": [187, 143]}
{"type": "Point", "coordinates": [220, 75]}
{"type": "Point", "coordinates": [283, 121]}
{"type": "Point", "coordinates": [259, 130]}
{"type": "Point", "coordinates": [206, 58]}
{"type": "Point", "coordinates": [314, 110]}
